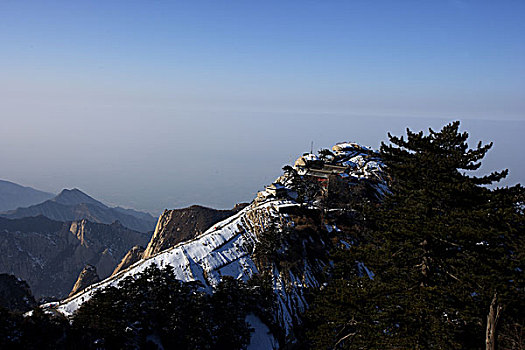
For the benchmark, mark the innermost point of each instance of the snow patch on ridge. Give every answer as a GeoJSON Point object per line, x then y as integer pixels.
{"type": "Point", "coordinates": [223, 250]}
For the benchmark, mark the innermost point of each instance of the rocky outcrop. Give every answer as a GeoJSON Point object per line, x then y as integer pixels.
{"type": "Point", "coordinates": [178, 225]}
{"type": "Point", "coordinates": [15, 294]}
{"type": "Point", "coordinates": [135, 254]}
{"type": "Point", "coordinates": [87, 277]}
{"type": "Point", "coordinates": [49, 254]}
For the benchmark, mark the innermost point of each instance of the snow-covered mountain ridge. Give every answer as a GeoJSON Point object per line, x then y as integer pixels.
{"type": "Point", "coordinates": [232, 247]}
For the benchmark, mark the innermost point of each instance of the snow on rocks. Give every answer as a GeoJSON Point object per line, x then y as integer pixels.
{"type": "Point", "coordinates": [261, 337]}
{"type": "Point", "coordinates": [223, 250]}
{"type": "Point", "coordinates": [226, 249]}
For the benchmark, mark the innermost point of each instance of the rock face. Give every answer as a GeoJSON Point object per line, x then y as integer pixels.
{"type": "Point", "coordinates": [87, 277]}
{"type": "Point", "coordinates": [135, 254]}
{"type": "Point", "coordinates": [49, 254]}
{"type": "Point", "coordinates": [15, 294]}
{"type": "Point", "coordinates": [73, 204]}
{"type": "Point", "coordinates": [178, 225]}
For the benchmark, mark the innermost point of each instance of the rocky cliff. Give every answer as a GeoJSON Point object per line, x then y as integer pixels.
{"type": "Point", "coordinates": [135, 254]}
{"type": "Point", "coordinates": [49, 254]}
{"type": "Point", "coordinates": [87, 277]}
{"type": "Point", "coordinates": [178, 225]}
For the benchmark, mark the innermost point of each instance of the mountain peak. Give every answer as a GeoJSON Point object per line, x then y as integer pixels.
{"type": "Point", "coordinates": [75, 196]}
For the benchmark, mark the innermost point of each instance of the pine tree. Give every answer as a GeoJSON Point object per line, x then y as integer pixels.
{"type": "Point", "coordinates": [154, 307]}
{"type": "Point", "coordinates": [326, 155]}
{"type": "Point", "coordinates": [440, 245]}
{"type": "Point", "coordinates": [307, 189]}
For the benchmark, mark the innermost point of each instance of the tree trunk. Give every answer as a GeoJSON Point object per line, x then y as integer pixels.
{"type": "Point", "coordinates": [492, 323]}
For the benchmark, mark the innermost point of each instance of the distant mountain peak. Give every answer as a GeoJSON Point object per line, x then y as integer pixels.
{"type": "Point", "coordinates": [13, 196]}
{"type": "Point", "coordinates": [73, 190]}
{"type": "Point", "coordinates": [74, 197]}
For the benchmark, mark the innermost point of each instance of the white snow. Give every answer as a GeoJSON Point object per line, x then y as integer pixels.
{"type": "Point", "coordinates": [310, 157]}
{"type": "Point", "coordinates": [223, 250]}
{"type": "Point", "coordinates": [261, 337]}
{"type": "Point", "coordinates": [359, 160]}
{"type": "Point", "coordinates": [362, 267]}
{"type": "Point", "coordinates": [346, 244]}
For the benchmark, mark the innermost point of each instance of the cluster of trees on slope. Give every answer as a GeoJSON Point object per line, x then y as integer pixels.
{"type": "Point", "coordinates": [446, 252]}
{"type": "Point", "coordinates": [153, 310]}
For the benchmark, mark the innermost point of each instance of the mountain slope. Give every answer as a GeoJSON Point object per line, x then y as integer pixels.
{"type": "Point", "coordinates": [132, 256]}
{"type": "Point", "coordinates": [13, 196]}
{"type": "Point", "coordinates": [284, 234]}
{"type": "Point", "coordinates": [73, 204]}
{"type": "Point", "coordinates": [227, 249]}
{"type": "Point", "coordinates": [49, 255]}
{"type": "Point", "coordinates": [138, 214]}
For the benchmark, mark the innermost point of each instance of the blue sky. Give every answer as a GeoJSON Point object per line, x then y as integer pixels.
{"type": "Point", "coordinates": [113, 84]}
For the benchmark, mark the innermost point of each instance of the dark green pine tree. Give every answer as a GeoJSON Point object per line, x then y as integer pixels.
{"type": "Point", "coordinates": [326, 155]}
{"type": "Point", "coordinates": [229, 313]}
{"type": "Point", "coordinates": [154, 308]}
{"type": "Point", "coordinates": [307, 190]}
{"type": "Point", "coordinates": [441, 245]}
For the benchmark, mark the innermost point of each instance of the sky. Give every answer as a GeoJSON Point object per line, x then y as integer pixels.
{"type": "Point", "coordinates": [162, 104]}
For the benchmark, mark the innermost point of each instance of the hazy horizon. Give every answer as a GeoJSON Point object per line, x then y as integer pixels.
{"type": "Point", "coordinates": [236, 166]}
{"type": "Point", "coordinates": [156, 105]}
